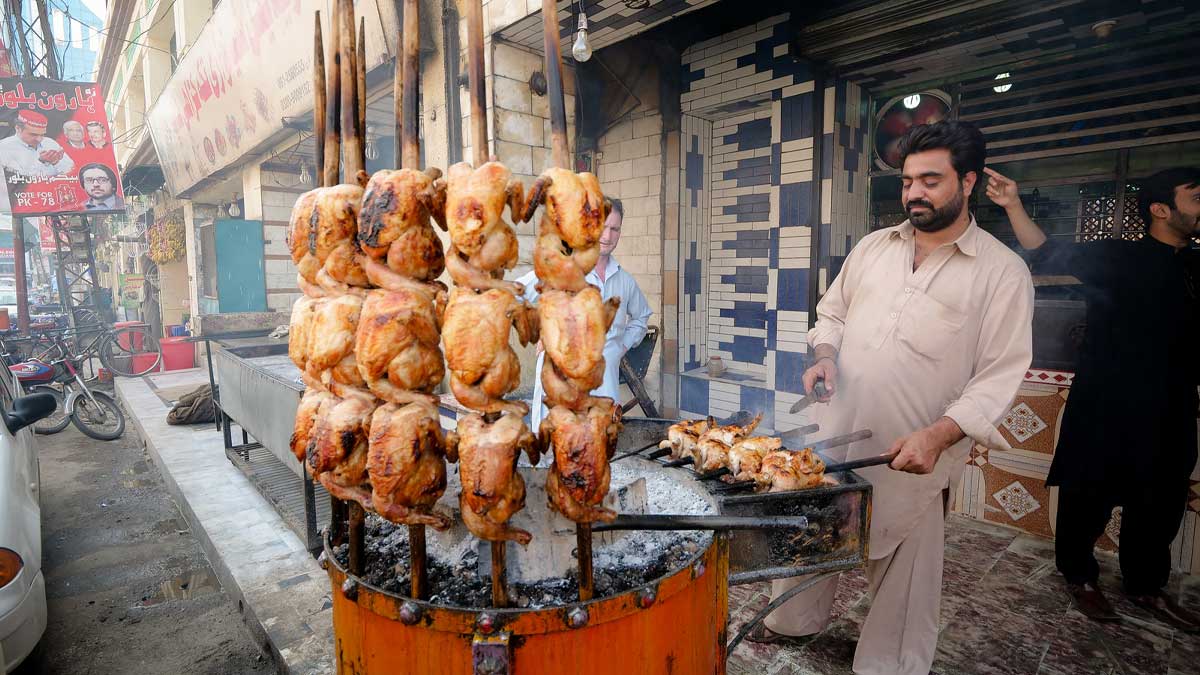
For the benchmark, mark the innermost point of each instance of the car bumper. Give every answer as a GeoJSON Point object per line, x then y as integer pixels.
{"type": "Point", "coordinates": [22, 627]}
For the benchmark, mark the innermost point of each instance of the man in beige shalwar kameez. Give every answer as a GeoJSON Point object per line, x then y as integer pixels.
{"type": "Point", "coordinates": [923, 337]}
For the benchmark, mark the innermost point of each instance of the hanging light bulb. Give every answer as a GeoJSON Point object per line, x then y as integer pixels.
{"type": "Point", "coordinates": [234, 210]}
{"type": "Point", "coordinates": [912, 101]}
{"type": "Point", "coordinates": [372, 149]}
{"type": "Point", "coordinates": [305, 179]}
{"type": "Point", "coordinates": [582, 50]}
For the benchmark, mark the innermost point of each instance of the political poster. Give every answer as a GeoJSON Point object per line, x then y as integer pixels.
{"type": "Point", "coordinates": [56, 149]}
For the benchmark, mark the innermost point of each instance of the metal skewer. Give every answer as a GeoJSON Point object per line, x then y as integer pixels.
{"type": "Point", "coordinates": [829, 468]}
{"type": "Point", "coordinates": [682, 461]}
{"type": "Point", "coordinates": [631, 453]}
{"type": "Point", "coordinates": [689, 522]}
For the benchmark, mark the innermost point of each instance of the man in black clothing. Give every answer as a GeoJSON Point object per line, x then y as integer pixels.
{"type": "Point", "coordinates": [1129, 430]}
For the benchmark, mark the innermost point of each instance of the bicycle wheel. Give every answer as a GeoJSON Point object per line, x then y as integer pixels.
{"type": "Point", "coordinates": [103, 422]}
{"type": "Point", "coordinates": [131, 351]}
{"type": "Point", "coordinates": [58, 420]}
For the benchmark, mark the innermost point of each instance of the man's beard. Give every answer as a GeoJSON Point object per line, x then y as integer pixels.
{"type": "Point", "coordinates": [1178, 222]}
{"type": "Point", "coordinates": [936, 219]}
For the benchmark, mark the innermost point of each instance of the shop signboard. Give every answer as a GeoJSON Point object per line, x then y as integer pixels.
{"type": "Point", "coordinates": [250, 69]}
{"type": "Point", "coordinates": [56, 149]}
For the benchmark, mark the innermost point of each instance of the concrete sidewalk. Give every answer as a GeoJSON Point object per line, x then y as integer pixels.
{"type": "Point", "coordinates": [284, 595]}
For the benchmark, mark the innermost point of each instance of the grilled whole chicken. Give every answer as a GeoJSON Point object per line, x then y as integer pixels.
{"type": "Point", "coordinates": [746, 455]}
{"type": "Point", "coordinates": [583, 443]}
{"type": "Point", "coordinates": [301, 240]}
{"type": "Point", "coordinates": [574, 206]}
{"type": "Point", "coordinates": [682, 437]}
{"type": "Point", "coordinates": [397, 345]}
{"type": "Point", "coordinates": [393, 225]}
{"type": "Point", "coordinates": [306, 421]}
{"type": "Point", "coordinates": [492, 489]}
{"type": "Point", "coordinates": [337, 447]}
{"type": "Point", "coordinates": [331, 342]}
{"type": "Point", "coordinates": [573, 329]}
{"type": "Point", "coordinates": [300, 329]}
{"type": "Point", "coordinates": [483, 367]}
{"type": "Point", "coordinates": [790, 470]}
{"type": "Point", "coordinates": [332, 239]}
{"type": "Point", "coordinates": [716, 440]}
{"type": "Point", "coordinates": [406, 464]}
{"type": "Point", "coordinates": [475, 201]}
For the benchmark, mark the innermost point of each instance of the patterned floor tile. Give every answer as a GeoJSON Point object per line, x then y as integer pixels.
{"type": "Point", "coordinates": [1131, 647]}
{"type": "Point", "coordinates": [990, 642]}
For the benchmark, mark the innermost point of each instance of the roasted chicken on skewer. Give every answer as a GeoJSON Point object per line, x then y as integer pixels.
{"type": "Point", "coordinates": [306, 421]}
{"type": "Point", "coordinates": [683, 437]}
{"type": "Point", "coordinates": [393, 226]}
{"type": "Point", "coordinates": [483, 367]}
{"type": "Point", "coordinates": [331, 342]}
{"type": "Point", "coordinates": [746, 455]}
{"type": "Point", "coordinates": [300, 329]}
{"type": "Point", "coordinates": [784, 470]}
{"type": "Point", "coordinates": [712, 449]}
{"type": "Point", "coordinates": [574, 206]}
{"type": "Point", "coordinates": [573, 330]}
{"type": "Point", "coordinates": [397, 345]}
{"type": "Point", "coordinates": [583, 444]}
{"type": "Point", "coordinates": [492, 489]}
{"type": "Point", "coordinates": [484, 245]}
{"type": "Point", "coordinates": [322, 238]}
{"type": "Point", "coordinates": [337, 446]}
{"type": "Point", "coordinates": [406, 464]}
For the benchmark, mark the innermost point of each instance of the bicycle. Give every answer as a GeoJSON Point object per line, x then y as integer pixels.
{"type": "Point", "coordinates": [128, 351]}
{"type": "Point", "coordinates": [94, 413]}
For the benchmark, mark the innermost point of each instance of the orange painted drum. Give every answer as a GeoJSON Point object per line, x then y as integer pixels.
{"type": "Point", "coordinates": [676, 624]}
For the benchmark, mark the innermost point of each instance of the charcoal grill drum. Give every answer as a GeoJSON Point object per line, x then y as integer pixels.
{"type": "Point", "coordinates": [675, 624]}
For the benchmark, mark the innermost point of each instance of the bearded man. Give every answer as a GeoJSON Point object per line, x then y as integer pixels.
{"type": "Point", "coordinates": [923, 337]}
{"type": "Point", "coordinates": [1128, 434]}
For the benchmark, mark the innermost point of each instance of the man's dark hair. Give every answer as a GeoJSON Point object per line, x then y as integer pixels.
{"type": "Point", "coordinates": [1160, 188]}
{"type": "Point", "coordinates": [94, 123]}
{"type": "Point", "coordinates": [112, 176]}
{"type": "Point", "coordinates": [968, 150]}
{"type": "Point", "coordinates": [614, 204]}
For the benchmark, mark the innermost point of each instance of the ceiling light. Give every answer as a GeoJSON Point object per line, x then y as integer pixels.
{"type": "Point", "coordinates": [912, 101]}
{"type": "Point", "coordinates": [582, 50]}
{"type": "Point", "coordinates": [305, 179]}
{"type": "Point", "coordinates": [1102, 29]}
{"type": "Point", "coordinates": [234, 210]}
{"type": "Point", "coordinates": [1001, 88]}
{"type": "Point", "coordinates": [372, 149]}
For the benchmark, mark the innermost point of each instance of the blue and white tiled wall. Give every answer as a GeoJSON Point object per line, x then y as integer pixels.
{"type": "Point", "coordinates": [746, 154]}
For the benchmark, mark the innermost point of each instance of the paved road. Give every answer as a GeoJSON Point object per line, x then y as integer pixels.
{"type": "Point", "coordinates": [128, 586]}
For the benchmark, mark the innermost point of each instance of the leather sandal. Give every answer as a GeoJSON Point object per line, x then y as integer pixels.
{"type": "Point", "coordinates": [765, 636]}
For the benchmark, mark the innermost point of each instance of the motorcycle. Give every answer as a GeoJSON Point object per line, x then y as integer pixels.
{"type": "Point", "coordinates": [94, 413]}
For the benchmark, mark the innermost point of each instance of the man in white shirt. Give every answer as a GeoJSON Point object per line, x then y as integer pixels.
{"type": "Point", "coordinates": [29, 153]}
{"type": "Point", "coordinates": [628, 326]}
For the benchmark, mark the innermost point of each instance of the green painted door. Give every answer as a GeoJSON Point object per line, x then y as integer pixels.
{"type": "Point", "coordinates": [241, 273]}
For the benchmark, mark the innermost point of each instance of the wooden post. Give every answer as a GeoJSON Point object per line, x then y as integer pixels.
{"type": "Point", "coordinates": [357, 533]}
{"type": "Point", "coordinates": [353, 159]}
{"type": "Point", "coordinates": [319, 96]}
{"type": "Point", "coordinates": [360, 63]}
{"type": "Point", "coordinates": [583, 549]}
{"type": "Point", "coordinates": [499, 574]}
{"type": "Point", "coordinates": [410, 151]}
{"type": "Point", "coordinates": [331, 168]}
{"type": "Point", "coordinates": [559, 155]}
{"type": "Point", "coordinates": [477, 84]}
{"type": "Point", "coordinates": [417, 567]}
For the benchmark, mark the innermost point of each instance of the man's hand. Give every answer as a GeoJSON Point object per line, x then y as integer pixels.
{"type": "Point", "coordinates": [824, 369]}
{"type": "Point", "coordinates": [50, 156]}
{"type": "Point", "coordinates": [919, 451]}
{"type": "Point", "coordinates": [1001, 189]}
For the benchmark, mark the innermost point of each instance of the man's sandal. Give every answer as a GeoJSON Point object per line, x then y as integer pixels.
{"type": "Point", "coordinates": [765, 636]}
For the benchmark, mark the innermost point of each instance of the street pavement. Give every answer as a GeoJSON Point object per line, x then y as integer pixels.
{"type": "Point", "coordinates": [129, 589]}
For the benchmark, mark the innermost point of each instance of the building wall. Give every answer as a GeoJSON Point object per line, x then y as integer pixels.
{"type": "Point", "coordinates": [630, 165]}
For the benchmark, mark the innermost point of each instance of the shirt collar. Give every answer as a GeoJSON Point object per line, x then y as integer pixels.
{"type": "Point", "coordinates": [613, 268]}
{"type": "Point", "coordinates": [967, 242]}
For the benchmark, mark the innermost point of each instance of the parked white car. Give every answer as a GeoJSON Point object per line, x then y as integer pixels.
{"type": "Point", "coordinates": [22, 587]}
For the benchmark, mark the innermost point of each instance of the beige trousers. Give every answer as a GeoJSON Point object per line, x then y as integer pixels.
{"type": "Point", "coordinates": [900, 634]}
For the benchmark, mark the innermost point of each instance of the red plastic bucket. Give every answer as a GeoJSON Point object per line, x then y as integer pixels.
{"type": "Point", "coordinates": [142, 362]}
{"type": "Point", "coordinates": [126, 337]}
{"type": "Point", "coordinates": [177, 354]}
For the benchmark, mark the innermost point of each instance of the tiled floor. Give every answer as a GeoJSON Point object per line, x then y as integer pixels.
{"type": "Point", "coordinates": [1004, 611]}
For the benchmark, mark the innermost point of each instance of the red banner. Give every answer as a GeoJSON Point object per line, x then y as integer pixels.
{"type": "Point", "coordinates": [56, 149]}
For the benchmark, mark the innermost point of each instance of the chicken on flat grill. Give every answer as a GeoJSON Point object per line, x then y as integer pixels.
{"type": "Point", "coordinates": [331, 341]}
{"type": "Point", "coordinates": [492, 489]}
{"type": "Point", "coordinates": [583, 444]}
{"type": "Point", "coordinates": [475, 335]}
{"type": "Point", "coordinates": [746, 455]}
{"type": "Point", "coordinates": [784, 470]}
{"type": "Point", "coordinates": [332, 235]}
{"type": "Point", "coordinates": [337, 447]}
{"type": "Point", "coordinates": [406, 464]}
{"type": "Point", "coordinates": [712, 449]}
{"type": "Point", "coordinates": [683, 437]}
{"type": "Point", "coordinates": [397, 345]}
{"type": "Point", "coordinates": [393, 225]}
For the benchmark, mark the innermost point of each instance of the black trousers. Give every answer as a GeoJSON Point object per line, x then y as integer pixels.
{"type": "Point", "coordinates": [1149, 522]}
